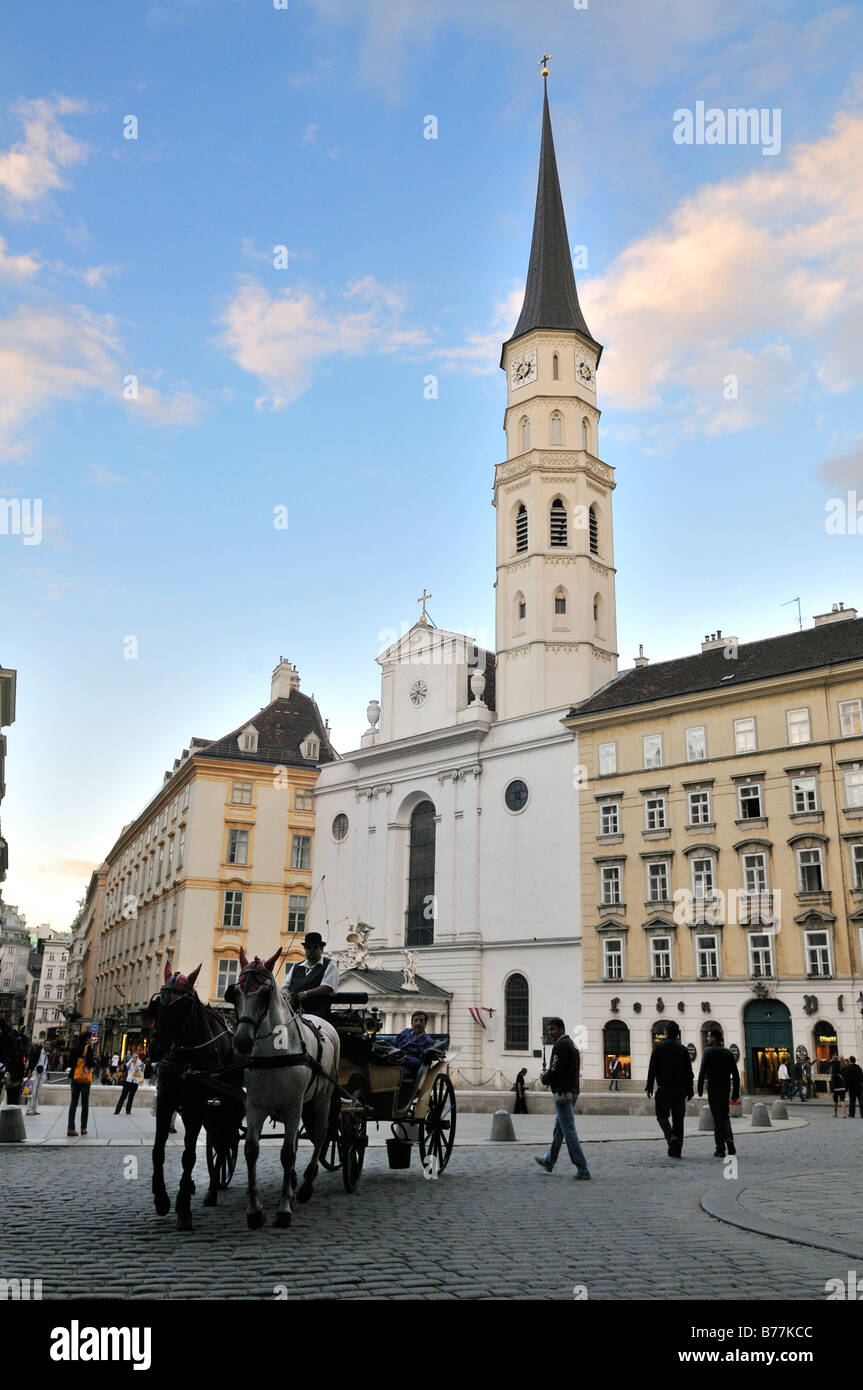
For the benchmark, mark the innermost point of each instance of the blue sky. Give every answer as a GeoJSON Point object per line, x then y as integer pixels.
{"type": "Point", "coordinates": [303, 387]}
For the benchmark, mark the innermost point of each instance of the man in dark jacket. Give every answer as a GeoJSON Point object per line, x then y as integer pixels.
{"type": "Point", "coordinates": [670, 1071]}
{"type": "Point", "coordinates": [854, 1082]}
{"type": "Point", "coordinates": [719, 1071]}
{"type": "Point", "coordinates": [563, 1076]}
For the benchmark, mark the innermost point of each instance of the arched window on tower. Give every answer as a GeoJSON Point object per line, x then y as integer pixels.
{"type": "Point", "coordinates": [556, 429]}
{"type": "Point", "coordinates": [585, 433]}
{"type": "Point", "coordinates": [516, 1012]}
{"type": "Point", "coordinates": [555, 367]}
{"type": "Point", "coordinates": [525, 435]}
{"type": "Point", "coordinates": [597, 615]}
{"type": "Point", "coordinates": [519, 612]}
{"type": "Point", "coordinates": [558, 522]}
{"type": "Point", "coordinates": [559, 603]}
{"type": "Point", "coordinates": [521, 527]}
{"type": "Point", "coordinates": [593, 526]}
{"type": "Point", "coordinates": [419, 918]}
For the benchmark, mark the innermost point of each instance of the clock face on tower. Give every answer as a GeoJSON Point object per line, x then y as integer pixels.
{"type": "Point", "coordinates": [523, 369]}
{"type": "Point", "coordinates": [584, 372]}
{"type": "Point", "coordinates": [418, 693]}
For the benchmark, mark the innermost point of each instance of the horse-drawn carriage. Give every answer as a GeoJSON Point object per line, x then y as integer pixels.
{"type": "Point", "coordinates": [324, 1080]}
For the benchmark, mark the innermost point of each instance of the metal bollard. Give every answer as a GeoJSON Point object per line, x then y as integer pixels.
{"type": "Point", "coordinates": [760, 1117]}
{"type": "Point", "coordinates": [502, 1128]}
{"type": "Point", "coordinates": [779, 1110]}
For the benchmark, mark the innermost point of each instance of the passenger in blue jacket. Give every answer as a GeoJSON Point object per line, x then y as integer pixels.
{"type": "Point", "coordinates": [415, 1042]}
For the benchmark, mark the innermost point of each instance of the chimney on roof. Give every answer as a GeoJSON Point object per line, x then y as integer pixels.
{"type": "Point", "coordinates": [641, 659]}
{"type": "Point", "coordinates": [838, 614]}
{"type": "Point", "coordinates": [286, 678]}
{"type": "Point", "coordinates": [714, 641]}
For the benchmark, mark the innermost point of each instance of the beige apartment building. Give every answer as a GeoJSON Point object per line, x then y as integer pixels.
{"type": "Point", "coordinates": [220, 858]}
{"type": "Point", "coordinates": [721, 829]}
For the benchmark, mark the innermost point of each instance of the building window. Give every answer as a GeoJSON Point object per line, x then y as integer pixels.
{"type": "Point", "coordinates": [754, 873]}
{"type": "Point", "coordinates": [297, 906]}
{"type": "Point", "coordinates": [654, 813]}
{"type": "Point", "coordinates": [811, 871]}
{"type": "Point", "coordinates": [609, 818]}
{"type": "Point", "coordinates": [609, 876]}
{"type": "Point", "coordinates": [186, 796]}
{"type": "Point", "coordinates": [817, 953]}
{"type": "Point", "coordinates": [798, 726]}
{"type": "Point", "coordinates": [851, 717]}
{"type": "Point", "coordinates": [181, 847]}
{"type": "Point", "coordinates": [607, 759]}
{"type": "Point", "coordinates": [804, 794]}
{"type": "Point", "coordinates": [853, 789]}
{"type": "Point", "coordinates": [558, 522]}
{"type": "Point", "coordinates": [241, 793]}
{"type": "Point", "coordinates": [706, 958]}
{"type": "Point", "coordinates": [744, 736]}
{"type": "Point", "coordinates": [702, 878]}
{"type": "Point", "coordinates": [310, 747]}
{"type": "Point", "coordinates": [760, 956]}
{"type": "Point", "coordinates": [420, 915]}
{"type": "Point", "coordinates": [696, 744]}
{"type": "Point", "coordinates": [657, 882]}
{"type": "Point", "coordinates": [521, 527]}
{"type": "Point", "coordinates": [516, 795]}
{"type": "Point", "coordinates": [304, 799]}
{"type": "Point", "coordinates": [699, 808]}
{"type": "Point", "coordinates": [49, 973]}
{"type": "Point", "coordinates": [749, 798]}
{"type": "Point", "coordinates": [227, 974]}
{"type": "Point", "coordinates": [585, 434]}
{"type": "Point", "coordinates": [857, 866]}
{"type": "Point", "coordinates": [301, 852]}
{"type": "Point", "coordinates": [652, 750]}
{"type": "Point", "coordinates": [232, 911]}
{"type": "Point", "coordinates": [559, 603]}
{"type": "Point", "coordinates": [612, 958]}
{"type": "Point", "coordinates": [170, 855]}
{"type": "Point", "coordinates": [238, 846]}
{"type": "Point", "coordinates": [555, 368]}
{"type": "Point", "coordinates": [175, 806]}
{"type": "Point", "coordinates": [340, 827]}
{"type": "Point", "coordinates": [556, 430]}
{"type": "Point", "coordinates": [593, 530]}
{"type": "Point", "coordinates": [525, 436]}
{"type": "Point", "coordinates": [516, 1008]}
{"type": "Point", "coordinates": [521, 607]}
{"type": "Point", "coordinates": [660, 957]}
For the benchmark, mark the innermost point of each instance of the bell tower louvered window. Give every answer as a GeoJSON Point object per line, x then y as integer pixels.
{"type": "Point", "coordinates": [521, 528]}
{"type": "Point", "coordinates": [594, 531]}
{"type": "Point", "coordinates": [558, 522]}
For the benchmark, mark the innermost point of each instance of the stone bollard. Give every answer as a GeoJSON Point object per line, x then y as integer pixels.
{"type": "Point", "coordinates": [705, 1119]}
{"type": "Point", "coordinates": [12, 1125]}
{"type": "Point", "coordinates": [501, 1127]}
{"type": "Point", "coordinates": [760, 1117]}
{"type": "Point", "coordinates": [779, 1110]}
{"type": "Point", "coordinates": [746, 1104]}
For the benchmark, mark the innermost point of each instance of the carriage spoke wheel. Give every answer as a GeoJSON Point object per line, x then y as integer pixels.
{"type": "Point", "coordinates": [331, 1158]}
{"type": "Point", "coordinates": [222, 1161]}
{"type": "Point", "coordinates": [353, 1140]}
{"type": "Point", "coordinates": [437, 1130]}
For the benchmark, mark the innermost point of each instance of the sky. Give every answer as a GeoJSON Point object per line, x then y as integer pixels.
{"type": "Point", "coordinates": [230, 260]}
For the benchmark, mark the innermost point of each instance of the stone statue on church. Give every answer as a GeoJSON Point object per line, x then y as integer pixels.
{"type": "Point", "coordinates": [356, 956]}
{"type": "Point", "coordinates": [410, 970]}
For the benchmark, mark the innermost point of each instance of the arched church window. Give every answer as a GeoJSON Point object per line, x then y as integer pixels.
{"type": "Point", "coordinates": [593, 528]}
{"type": "Point", "coordinates": [559, 602]}
{"type": "Point", "coordinates": [556, 429]}
{"type": "Point", "coordinates": [420, 915]}
{"type": "Point", "coordinates": [558, 522]}
{"type": "Point", "coordinates": [521, 527]}
{"type": "Point", "coordinates": [555, 367]}
{"type": "Point", "coordinates": [516, 1011]}
{"type": "Point", "coordinates": [597, 615]}
{"type": "Point", "coordinates": [525, 436]}
{"type": "Point", "coordinates": [585, 433]}
{"type": "Point", "coordinates": [520, 609]}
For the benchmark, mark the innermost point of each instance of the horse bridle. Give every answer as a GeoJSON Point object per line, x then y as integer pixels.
{"type": "Point", "coordinates": [176, 1045]}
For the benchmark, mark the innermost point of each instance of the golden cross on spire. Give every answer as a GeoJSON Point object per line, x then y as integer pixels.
{"type": "Point", "coordinates": [544, 62]}
{"type": "Point", "coordinates": [422, 599]}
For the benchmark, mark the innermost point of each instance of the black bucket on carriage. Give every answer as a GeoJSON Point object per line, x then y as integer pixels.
{"type": "Point", "coordinates": [399, 1149]}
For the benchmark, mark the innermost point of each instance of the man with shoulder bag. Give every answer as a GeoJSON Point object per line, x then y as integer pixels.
{"type": "Point", "coordinates": [563, 1078]}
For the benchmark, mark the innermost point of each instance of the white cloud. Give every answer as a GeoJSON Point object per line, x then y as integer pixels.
{"type": "Point", "coordinates": [34, 166]}
{"type": "Point", "coordinates": [844, 470]}
{"type": "Point", "coordinates": [21, 268]}
{"type": "Point", "coordinates": [99, 476]}
{"type": "Point", "coordinates": [280, 338]}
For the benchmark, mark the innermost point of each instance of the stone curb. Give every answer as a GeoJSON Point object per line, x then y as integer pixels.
{"type": "Point", "coordinates": [728, 1206]}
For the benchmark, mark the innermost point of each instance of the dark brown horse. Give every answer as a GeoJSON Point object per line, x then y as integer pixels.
{"type": "Point", "coordinates": [197, 1076]}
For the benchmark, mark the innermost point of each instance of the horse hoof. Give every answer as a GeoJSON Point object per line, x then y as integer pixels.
{"type": "Point", "coordinates": [283, 1218]}
{"type": "Point", "coordinates": [304, 1192]}
{"type": "Point", "coordinates": [255, 1220]}
{"type": "Point", "coordinates": [162, 1205]}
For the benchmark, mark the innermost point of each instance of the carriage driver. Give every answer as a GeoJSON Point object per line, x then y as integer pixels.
{"type": "Point", "coordinates": [311, 985]}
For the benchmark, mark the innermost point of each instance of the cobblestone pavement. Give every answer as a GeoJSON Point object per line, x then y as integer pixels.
{"type": "Point", "coordinates": [493, 1226]}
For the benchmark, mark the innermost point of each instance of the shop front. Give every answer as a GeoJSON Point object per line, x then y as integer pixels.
{"type": "Point", "coordinates": [768, 1042]}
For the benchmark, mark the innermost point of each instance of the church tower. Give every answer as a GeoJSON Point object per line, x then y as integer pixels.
{"type": "Point", "coordinates": [556, 626]}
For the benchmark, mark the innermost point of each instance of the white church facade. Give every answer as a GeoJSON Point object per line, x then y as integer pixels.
{"type": "Point", "coordinates": [452, 832]}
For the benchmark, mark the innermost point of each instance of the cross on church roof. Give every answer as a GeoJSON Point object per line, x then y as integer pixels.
{"type": "Point", "coordinates": [422, 599]}
{"type": "Point", "coordinates": [544, 62]}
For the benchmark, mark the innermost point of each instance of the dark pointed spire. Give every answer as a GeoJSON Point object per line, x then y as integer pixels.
{"type": "Point", "coordinates": [550, 297]}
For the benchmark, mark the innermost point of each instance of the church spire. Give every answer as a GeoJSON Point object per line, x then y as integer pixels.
{"type": "Point", "coordinates": [550, 297]}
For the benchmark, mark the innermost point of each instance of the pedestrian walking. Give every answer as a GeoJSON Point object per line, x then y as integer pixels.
{"type": "Point", "coordinates": [134, 1069]}
{"type": "Point", "coordinates": [854, 1082]}
{"type": "Point", "coordinates": [837, 1087]}
{"type": "Point", "coordinates": [37, 1075]}
{"type": "Point", "coordinates": [563, 1078]}
{"type": "Point", "coordinates": [670, 1071]}
{"type": "Point", "coordinates": [81, 1067]}
{"type": "Point", "coordinates": [520, 1106]}
{"type": "Point", "coordinates": [807, 1078]}
{"type": "Point", "coordinates": [784, 1079]}
{"type": "Point", "coordinates": [615, 1072]}
{"type": "Point", "coordinates": [719, 1073]}
{"type": "Point", "coordinates": [797, 1089]}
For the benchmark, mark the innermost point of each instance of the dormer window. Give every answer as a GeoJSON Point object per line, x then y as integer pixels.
{"type": "Point", "coordinates": [249, 739]}
{"type": "Point", "coordinates": [310, 747]}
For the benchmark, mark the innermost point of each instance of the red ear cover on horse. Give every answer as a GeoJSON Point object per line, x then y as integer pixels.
{"type": "Point", "coordinates": [244, 959]}
{"type": "Point", "coordinates": [190, 979]}
{"type": "Point", "coordinates": [168, 972]}
{"type": "Point", "coordinates": [268, 964]}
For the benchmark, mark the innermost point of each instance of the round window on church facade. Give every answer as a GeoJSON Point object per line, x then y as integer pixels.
{"type": "Point", "coordinates": [516, 795]}
{"type": "Point", "coordinates": [340, 826]}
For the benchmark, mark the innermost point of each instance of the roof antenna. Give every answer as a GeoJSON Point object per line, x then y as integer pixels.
{"type": "Point", "coordinates": [799, 616]}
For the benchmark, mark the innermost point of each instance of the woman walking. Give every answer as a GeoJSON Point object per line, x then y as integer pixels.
{"type": "Point", "coordinates": [520, 1106]}
{"type": "Point", "coordinates": [838, 1087]}
{"type": "Point", "coordinates": [81, 1064]}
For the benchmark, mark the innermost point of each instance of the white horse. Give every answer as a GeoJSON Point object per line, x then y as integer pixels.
{"type": "Point", "coordinates": [292, 1076]}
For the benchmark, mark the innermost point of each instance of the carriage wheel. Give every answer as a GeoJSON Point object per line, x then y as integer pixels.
{"type": "Point", "coordinates": [437, 1130]}
{"type": "Point", "coordinates": [331, 1159]}
{"type": "Point", "coordinates": [353, 1140]}
{"type": "Point", "coordinates": [222, 1161]}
